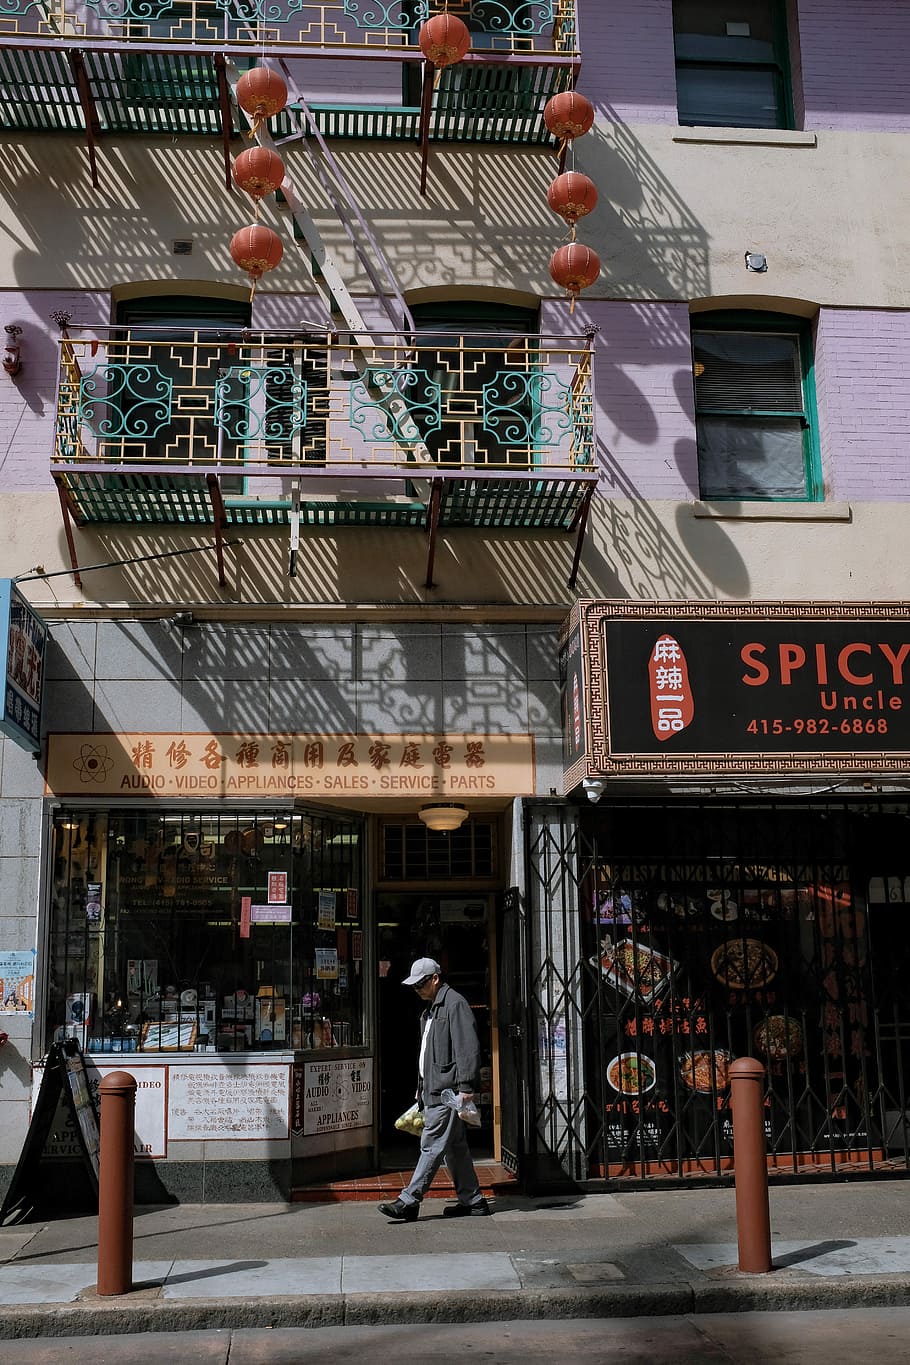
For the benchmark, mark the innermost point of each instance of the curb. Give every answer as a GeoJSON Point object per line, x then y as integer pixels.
{"type": "Point", "coordinates": [117, 1316]}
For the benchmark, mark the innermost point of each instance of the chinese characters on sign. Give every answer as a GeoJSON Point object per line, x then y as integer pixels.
{"type": "Point", "coordinates": [228, 1102]}
{"type": "Point", "coordinates": [169, 765]}
{"type": "Point", "coordinates": [736, 686]}
{"type": "Point", "coordinates": [23, 637]}
{"type": "Point", "coordinates": [337, 1095]}
{"type": "Point", "coordinates": [17, 980]}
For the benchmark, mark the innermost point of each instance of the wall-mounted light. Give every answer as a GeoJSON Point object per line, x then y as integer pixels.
{"type": "Point", "coordinates": [593, 788]}
{"type": "Point", "coordinates": [443, 818]}
{"type": "Point", "coordinates": [757, 262]}
{"type": "Point", "coordinates": [12, 356]}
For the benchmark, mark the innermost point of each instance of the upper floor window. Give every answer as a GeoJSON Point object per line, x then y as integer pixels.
{"type": "Point", "coordinates": [755, 408]}
{"type": "Point", "coordinates": [732, 63]}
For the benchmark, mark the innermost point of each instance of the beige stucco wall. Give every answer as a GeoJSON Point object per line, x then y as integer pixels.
{"type": "Point", "coordinates": [674, 219]}
{"type": "Point", "coordinates": [656, 549]}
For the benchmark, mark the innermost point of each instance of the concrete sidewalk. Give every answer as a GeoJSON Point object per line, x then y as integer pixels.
{"type": "Point", "coordinates": [642, 1253]}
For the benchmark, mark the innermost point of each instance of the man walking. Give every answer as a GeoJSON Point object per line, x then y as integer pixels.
{"type": "Point", "coordinates": [449, 1059]}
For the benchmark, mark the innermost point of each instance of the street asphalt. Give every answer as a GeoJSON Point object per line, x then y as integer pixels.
{"type": "Point", "coordinates": [633, 1254]}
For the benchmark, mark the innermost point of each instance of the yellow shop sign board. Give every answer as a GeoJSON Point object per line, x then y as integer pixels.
{"type": "Point", "coordinates": [292, 765]}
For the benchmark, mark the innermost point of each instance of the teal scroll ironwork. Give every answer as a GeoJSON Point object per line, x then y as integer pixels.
{"type": "Point", "coordinates": [125, 400]}
{"type": "Point", "coordinates": [528, 409]}
{"type": "Point", "coordinates": [393, 14]}
{"type": "Point", "coordinates": [395, 405]}
{"type": "Point", "coordinates": [139, 11]}
{"type": "Point", "coordinates": [260, 11]}
{"type": "Point", "coordinates": [260, 403]}
{"type": "Point", "coordinates": [524, 16]}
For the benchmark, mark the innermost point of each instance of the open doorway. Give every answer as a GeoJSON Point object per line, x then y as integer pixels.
{"type": "Point", "coordinates": [453, 929]}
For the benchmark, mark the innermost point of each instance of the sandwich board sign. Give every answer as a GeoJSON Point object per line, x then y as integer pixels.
{"type": "Point", "coordinates": [64, 1078]}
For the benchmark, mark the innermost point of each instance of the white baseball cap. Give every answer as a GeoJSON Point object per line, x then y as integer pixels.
{"type": "Point", "coordinates": [421, 969]}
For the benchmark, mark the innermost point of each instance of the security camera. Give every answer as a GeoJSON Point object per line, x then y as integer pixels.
{"type": "Point", "coordinates": [593, 788]}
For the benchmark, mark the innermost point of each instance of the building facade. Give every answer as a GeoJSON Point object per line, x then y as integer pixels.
{"type": "Point", "coordinates": [397, 607]}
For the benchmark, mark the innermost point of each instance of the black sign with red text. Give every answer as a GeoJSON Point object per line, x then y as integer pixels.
{"type": "Point", "coordinates": [680, 687]}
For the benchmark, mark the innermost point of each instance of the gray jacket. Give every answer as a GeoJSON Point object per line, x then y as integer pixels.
{"type": "Point", "coordinates": [453, 1050]}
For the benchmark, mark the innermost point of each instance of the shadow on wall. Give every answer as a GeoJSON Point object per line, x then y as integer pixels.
{"type": "Point", "coordinates": [652, 247]}
{"type": "Point", "coordinates": [329, 678]}
{"type": "Point", "coordinates": [650, 242]}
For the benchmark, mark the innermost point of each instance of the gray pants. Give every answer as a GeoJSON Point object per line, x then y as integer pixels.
{"type": "Point", "coordinates": [443, 1139]}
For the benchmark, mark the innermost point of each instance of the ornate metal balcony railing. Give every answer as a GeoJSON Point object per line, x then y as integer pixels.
{"type": "Point", "coordinates": [537, 28]}
{"type": "Point", "coordinates": [246, 403]}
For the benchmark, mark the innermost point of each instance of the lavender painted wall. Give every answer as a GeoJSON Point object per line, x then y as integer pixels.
{"type": "Point", "coordinates": [644, 402]}
{"type": "Point", "coordinates": [854, 72]}
{"type": "Point", "coordinates": [628, 69]}
{"type": "Point", "coordinates": [856, 64]}
{"type": "Point", "coordinates": [28, 402]}
{"type": "Point", "coordinates": [644, 407]}
{"type": "Point", "coordinates": [862, 362]}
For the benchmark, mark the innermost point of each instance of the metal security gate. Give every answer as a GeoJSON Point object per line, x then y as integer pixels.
{"type": "Point", "coordinates": [667, 939]}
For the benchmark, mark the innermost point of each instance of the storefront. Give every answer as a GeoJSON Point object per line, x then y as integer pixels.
{"type": "Point", "coordinates": [735, 883]}
{"type": "Point", "coordinates": [242, 956]}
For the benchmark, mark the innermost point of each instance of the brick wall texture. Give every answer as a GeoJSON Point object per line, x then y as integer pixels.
{"type": "Point", "coordinates": [853, 69]}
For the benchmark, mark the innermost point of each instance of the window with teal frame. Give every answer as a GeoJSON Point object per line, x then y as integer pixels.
{"type": "Point", "coordinates": [732, 63]}
{"type": "Point", "coordinates": [755, 415]}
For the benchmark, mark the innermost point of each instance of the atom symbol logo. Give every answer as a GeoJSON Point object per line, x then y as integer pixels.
{"type": "Point", "coordinates": [94, 763]}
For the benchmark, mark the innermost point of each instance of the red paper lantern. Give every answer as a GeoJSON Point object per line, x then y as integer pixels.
{"type": "Point", "coordinates": [572, 195]}
{"type": "Point", "coordinates": [256, 249]}
{"type": "Point", "coordinates": [262, 94]}
{"type": "Point", "coordinates": [568, 115]}
{"type": "Point", "coordinates": [259, 171]}
{"type": "Point", "coordinates": [574, 267]}
{"type": "Point", "coordinates": [444, 39]}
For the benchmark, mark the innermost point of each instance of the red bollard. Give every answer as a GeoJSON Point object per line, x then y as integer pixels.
{"type": "Point", "coordinates": [750, 1166]}
{"type": "Point", "coordinates": [115, 1184]}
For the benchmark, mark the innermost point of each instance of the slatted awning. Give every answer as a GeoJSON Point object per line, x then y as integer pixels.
{"type": "Point", "coordinates": [148, 92]}
{"type": "Point", "coordinates": [189, 497]}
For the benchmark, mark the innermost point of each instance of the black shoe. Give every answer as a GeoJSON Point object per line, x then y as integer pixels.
{"type": "Point", "coordinates": [481, 1210]}
{"type": "Point", "coordinates": [401, 1212]}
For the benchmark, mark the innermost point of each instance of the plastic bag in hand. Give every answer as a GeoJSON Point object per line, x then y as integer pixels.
{"type": "Point", "coordinates": [467, 1112]}
{"type": "Point", "coordinates": [411, 1121]}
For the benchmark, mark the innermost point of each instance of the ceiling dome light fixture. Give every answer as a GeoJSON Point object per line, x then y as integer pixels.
{"type": "Point", "coordinates": [443, 818]}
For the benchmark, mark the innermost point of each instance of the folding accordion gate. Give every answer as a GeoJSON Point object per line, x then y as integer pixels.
{"type": "Point", "coordinates": [658, 941]}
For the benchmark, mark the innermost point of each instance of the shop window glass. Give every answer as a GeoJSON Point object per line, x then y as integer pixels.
{"type": "Point", "coordinates": [732, 64]}
{"type": "Point", "coordinates": [194, 931]}
{"type": "Point", "coordinates": [754, 408]}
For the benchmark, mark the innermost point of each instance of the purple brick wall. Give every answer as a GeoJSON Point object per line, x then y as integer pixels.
{"type": "Point", "coordinates": [856, 64]}
{"type": "Point", "coordinates": [28, 402]}
{"type": "Point", "coordinates": [628, 69]}
{"type": "Point", "coordinates": [862, 360]}
{"type": "Point", "coordinates": [644, 413]}
{"type": "Point", "coordinates": [853, 63]}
